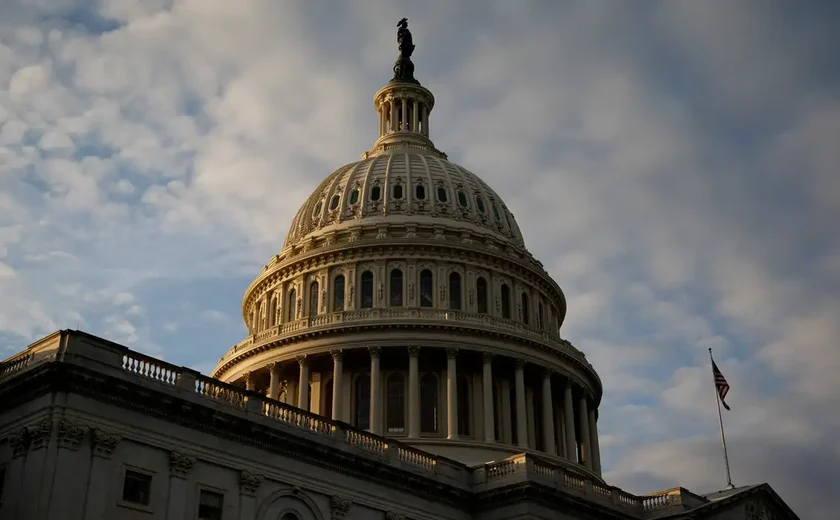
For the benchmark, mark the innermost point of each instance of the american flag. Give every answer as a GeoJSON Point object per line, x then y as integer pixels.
{"type": "Point", "coordinates": [721, 385]}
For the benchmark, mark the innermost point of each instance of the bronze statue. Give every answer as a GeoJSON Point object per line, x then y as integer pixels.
{"type": "Point", "coordinates": [404, 68]}
{"type": "Point", "coordinates": [404, 42]}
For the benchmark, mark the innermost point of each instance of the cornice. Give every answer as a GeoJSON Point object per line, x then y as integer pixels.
{"type": "Point", "coordinates": [535, 492]}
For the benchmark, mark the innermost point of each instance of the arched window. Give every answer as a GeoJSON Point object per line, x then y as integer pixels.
{"type": "Point", "coordinates": [327, 395]}
{"type": "Point", "coordinates": [455, 291]}
{"type": "Point", "coordinates": [313, 299]}
{"type": "Point", "coordinates": [398, 192]}
{"type": "Point", "coordinates": [464, 411]}
{"type": "Point", "coordinates": [338, 293]}
{"type": "Point", "coordinates": [526, 314]}
{"type": "Point", "coordinates": [375, 193]}
{"type": "Point", "coordinates": [395, 411]}
{"type": "Point", "coordinates": [505, 301]}
{"type": "Point", "coordinates": [361, 402]}
{"type": "Point", "coordinates": [429, 404]}
{"type": "Point", "coordinates": [426, 288]}
{"type": "Point", "coordinates": [442, 194]}
{"type": "Point", "coordinates": [367, 290]}
{"type": "Point", "coordinates": [420, 192]}
{"type": "Point", "coordinates": [462, 199]}
{"type": "Point", "coordinates": [291, 308]}
{"type": "Point", "coordinates": [396, 289]}
{"type": "Point", "coordinates": [258, 313]}
{"type": "Point", "coordinates": [481, 294]}
{"type": "Point", "coordinates": [290, 516]}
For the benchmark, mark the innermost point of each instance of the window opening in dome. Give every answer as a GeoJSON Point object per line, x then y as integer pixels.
{"type": "Point", "coordinates": [505, 301]}
{"type": "Point", "coordinates": [396, 290]}
{"type": "Point", "coordinates": [480, 203]}
{"type": "Point", "coordinates": [455, 291]}
{"type": "Point", "coordinates": [338, 293]}
{"type": "Point", "coordinates": [426, 288]}
{"type": "Point", "coordinates": [361, 402]}
{"type": "Point", "coordinates": [317, 212]}
{"type": "Point", "coordinates": [313, 299]}
{"type": "Point", "coordinates": [464, 411]}
{"type": "Point", "coordinates": [526, 315]}
{"type": "Point", "coordinates": [540, 316]}
{"type": "Point", "coordinates": [290, 516]}
{"type": "Point", "coordinates": [462, 199]}
{"type": "Point", "coordinates": [420, 192]}
{"type": "Point", "coordinates": [334, 202]}
{"type": "Point", "coordinates": [395, 411]}
{"type": "Point", "coordinates": [442, 194]}
{"type": "Point", "coordinates": [496, 214]}
{"type": "Point", "coordinates": [258, 314]}
{"type": "Point", "coordinates": [429, 404]}
{"type": "Point", "coordinates": [367, 290]}
{"type": "Point", "coordinates": [375, 193]}
{"type": "Point", "coordinates": [481, 294]}
{"type": "Point", "coordinates": [291, 308]}
{"type": "Point", "coordinates": [327, 393]}
{"type": "Point", "coordinates": [398, 192]}
{"type": "Point", "coordinates": [354, 196]}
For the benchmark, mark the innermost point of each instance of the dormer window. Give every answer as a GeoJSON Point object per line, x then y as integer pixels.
{"type": "Point", "coordinates": [398, 192]}
{"type": "Point", "coordinates": [462, 199]}
{"type": "Point", "coordinates": [375, 193]}
{"type": "Point", "coordinates": [442, 194]}
{"type": "Point", "coordinates": [420, 192]}
{"type": "Point", "coordinates": [317, 212]}
{"type": "Point", "coordinates": [481, 207]}
{"type": "Point", "coordinates": [334, 202]}
{"type": "Point", "coordinates": [354, 196]}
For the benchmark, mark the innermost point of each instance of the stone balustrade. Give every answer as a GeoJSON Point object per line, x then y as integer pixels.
{"type": "Point", "coordinates": [408, 316]}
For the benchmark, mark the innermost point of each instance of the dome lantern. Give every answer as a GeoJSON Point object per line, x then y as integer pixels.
{"type": "Point", "coordinates": [403, 105]}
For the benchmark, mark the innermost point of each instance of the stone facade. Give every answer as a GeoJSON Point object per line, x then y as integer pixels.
{"type": "Point", "coordinates": [90, 429]}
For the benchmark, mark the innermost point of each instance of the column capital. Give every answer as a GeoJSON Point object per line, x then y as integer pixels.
{"type": "Point", "coordinates": [413, 351]}
{"type": "Point", "coordinates": [519, 364]}
{"type": "Point", "coordinates": [273, 366]}
{"type": "Point", "coordinates": [451, 353]}
{"type": "Point", "coordinates": [248, 375]}
{"type": "Point", "coordinates": [375, 351]}
{"type": "Point", "coordinates": [337, 354]}
{"type": "Point", "coordinates": [547, 373]}
{"type": "Point", "coordinates": [302, 359]}
{"type": "Point", "coordinates": [488, 357]}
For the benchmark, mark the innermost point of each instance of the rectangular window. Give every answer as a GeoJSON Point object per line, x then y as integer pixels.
{"type": "Point", "coordinates": [2, 481]}
{"type": "Point", "coordinates": [137, 487]}
{"type": "Point", "coordinates": [210, 505]}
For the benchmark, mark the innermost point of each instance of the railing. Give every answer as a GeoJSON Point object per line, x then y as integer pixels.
{"type": "Point", "coordinates": [360, 315]}
{"type": "Point", "coordinates": [16, 364]}
{"type": "Point", "coordinates": [219, 391]}
{"type": "Point", "coordinates": [150, 368]}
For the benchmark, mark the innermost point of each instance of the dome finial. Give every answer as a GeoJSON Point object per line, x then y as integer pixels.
{"type": "Point", "coordinates": [404, 68]}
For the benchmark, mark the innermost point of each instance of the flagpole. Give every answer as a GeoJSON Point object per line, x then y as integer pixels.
{"type": "Point", "coordinates": [729, 484]}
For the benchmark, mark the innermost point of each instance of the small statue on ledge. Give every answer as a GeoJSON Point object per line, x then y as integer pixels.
{"type": "Point", "coordinates": [404, 68]}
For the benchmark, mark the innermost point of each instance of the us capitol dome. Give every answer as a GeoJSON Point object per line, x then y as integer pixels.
{"type": "Point", "coordinates": [405, 302]}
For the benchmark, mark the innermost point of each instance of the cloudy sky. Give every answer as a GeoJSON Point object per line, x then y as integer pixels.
{"type": "Point", "coordinates": [674, 165]}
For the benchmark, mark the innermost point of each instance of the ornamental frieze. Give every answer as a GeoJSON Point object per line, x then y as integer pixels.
{"type": "Point", "coordinates": [180, 464]}
{"type": "Point", "coordinates": [20, 442]}
{"type": "Point", "coordinates": [40, 435]}
{"type": "Point", "coordinates": [104, 443]}
{"type": "Point", "coordinates": [70, 435]}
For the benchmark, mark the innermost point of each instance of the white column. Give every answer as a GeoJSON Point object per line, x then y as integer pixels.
{"type": "Point", "coordinates": [274, 384]}
{"type": "Point", "coordinates": [548, 415]}
{"type": "Point", "coordinates": [375, 397]}
{"type": "Point", "coordinates": [250, 380]}
{"type": "Point", "coordinates": [569, 416]}
{"type": "Point", "coordinates": [414, 116]}
{"type": "Point", "coordinates": [381, 119]}
{"type": "Point", "coordinates": [413, 393]}
{"type": "Point", "coordinates": [595, 449]}
{"type": "Point", "coordinates": [404, 124]}
{"type": "Point", "coordinates": [583, 417]}
{"type": "Point", "coordinates": [451, 394]}
{"type": "Point", "coordinates": [487, 383]}
{"type": "Point", "coordinates": [521, 416]}
{"type": "Point", "coordinates": [303, 383]}
{"type": "Point", "coordinates": [338, 372]}
{"type": "Point", "coordinates": [393, 125]}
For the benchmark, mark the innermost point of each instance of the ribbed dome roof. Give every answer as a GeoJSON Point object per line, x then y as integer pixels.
{"type": "Point", "coordinates": [402, 187]}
